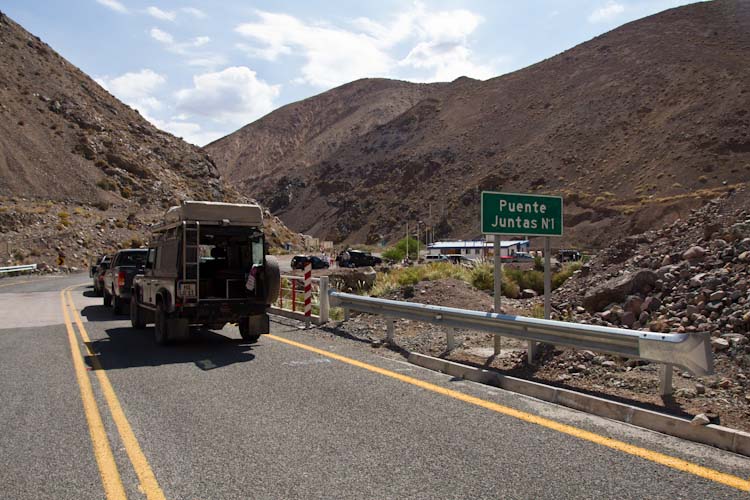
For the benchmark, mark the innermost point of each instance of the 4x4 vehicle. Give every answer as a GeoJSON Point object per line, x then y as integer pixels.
{"type": "Point", "coordinates": [97, 274]}
{"type": "Point", "coordinates": [357, 258]}
{"type": "Point", "coordinates": [207, 265]}
{"type": "Point", "coordinates": [118, 279]}
{"type": "Point", "coordinates": [566, 255]}
{"type": "Point", "coordinates": [298, 262]}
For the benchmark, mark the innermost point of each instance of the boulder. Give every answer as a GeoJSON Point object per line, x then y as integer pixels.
{"type": "Point", "coordinates": [694, 253]}
{"type": "Point", "coordinates": [617, 289]}
{"type": "Point", "coordinates": [633, 304]}
{"type": "Point", "coordinates": [528, 293]}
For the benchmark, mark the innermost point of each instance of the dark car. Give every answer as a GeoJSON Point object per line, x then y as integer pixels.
{"type": "Point", "coordinates": [97, 273]}
{"type": "Point", "coordinates": [357, 258]}
{"type": "Point", "coordinates": [298, 262]}
{"type": "Point", "coordinates": [119, 278]}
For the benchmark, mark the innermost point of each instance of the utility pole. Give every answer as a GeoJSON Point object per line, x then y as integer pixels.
{"type": "Point", "coordinates": [407, 240]}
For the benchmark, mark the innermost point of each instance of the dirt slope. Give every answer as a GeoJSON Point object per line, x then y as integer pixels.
{"type": "Point", "coordinates": [634, 128]}
{"type": "Point", "coordinates": [69, 147]}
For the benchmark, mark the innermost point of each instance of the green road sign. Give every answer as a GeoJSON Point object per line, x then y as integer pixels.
{"type": "Point", "coordinates": [521, 214]}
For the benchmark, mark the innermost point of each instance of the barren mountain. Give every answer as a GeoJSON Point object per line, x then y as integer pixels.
{"type": "Point", "coordinates": [262, 155]}
{"type": "Point", "coordinates": [633, 128]}
{"type": "Point", "coordinates": [81, 172]}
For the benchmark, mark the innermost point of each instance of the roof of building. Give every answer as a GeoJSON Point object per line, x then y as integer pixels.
{"type": "Point", "coordinates": [474, 244]}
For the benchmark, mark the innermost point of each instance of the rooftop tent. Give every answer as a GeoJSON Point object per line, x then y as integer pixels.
{"type": "Point", "coordinates": [216, 212]}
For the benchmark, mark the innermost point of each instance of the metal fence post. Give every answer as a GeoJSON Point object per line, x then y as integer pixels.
{"type": "Point", "coordinates": [450, 338]}
{"type": "Point", "coordinates": [665, 380]}
{"type": "Point", "coordinates": [390, 327]}
{"type": "Point", "coordinates": [323, 299]}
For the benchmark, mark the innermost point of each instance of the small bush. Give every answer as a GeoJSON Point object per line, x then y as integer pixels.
{"type": "Point", "coordinates": [126, 192]}
{"type": "Point", "coordinates": [560, 277]}
{"type": "Point", "coordinates": [64, 218]}
{"type": "Point", "coordinates": [106, 184]}
{"type": "Point", "coordinates": [398, 251]}
{"type": "Point", "coordinates": [527, 279]}
{"type": "Point", "coordinates": [102, 205]}
{"type": "Point", "coordinates": [119, 223]}
{"type": "Point", "coordinates": [538, 263]}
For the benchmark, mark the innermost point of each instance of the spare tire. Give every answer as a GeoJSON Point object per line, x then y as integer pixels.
{"type": "Point", "coordinates": [271, 280]}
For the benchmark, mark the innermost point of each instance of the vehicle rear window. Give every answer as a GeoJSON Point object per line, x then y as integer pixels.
{"type": "Point", "coordinates": [132, 259]}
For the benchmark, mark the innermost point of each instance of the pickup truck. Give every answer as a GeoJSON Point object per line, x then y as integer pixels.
{"type": "Point", "coordinates": [118, 279]}
{"type": "Point", "coordinates": [207, 265]}
{"type": "Point", "coordinates": [97, 274]}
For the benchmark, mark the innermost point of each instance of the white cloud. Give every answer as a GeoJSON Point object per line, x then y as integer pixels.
{"type": "Point", "coordinates": [114, 5]}
{"type": "Point", "coordinates": [606, 13]}
{"type": "Point", "coordinates": [136, 89]}
{"type": "Point", "coordinates": [189, 131]}
{"type": "Point", "coordinates": [190, 49]}
{"type": "Point", "coordinates": [232, 97]}
{"type": "Point", "coordinates": [164, 15]}
{"type": "Point", "coordinates": [161, 36]}
{"type": "Point", "coordinates": [334, 55]}
{"type": "Point", "coordinates": [196, 13]}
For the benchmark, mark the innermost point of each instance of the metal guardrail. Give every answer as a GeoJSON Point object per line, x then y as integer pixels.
{"type": "Point", "coordinates": [18, 269]}
{"type": "Point", "coordinates": [691, 352]}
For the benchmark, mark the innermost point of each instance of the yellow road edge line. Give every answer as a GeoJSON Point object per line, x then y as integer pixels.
{"type": "Point", "coordinates": [149, 485]}
{"type": "Point", "coordinates": [111, 481]}
{"type": "Point", "coordinates": [653, 456]}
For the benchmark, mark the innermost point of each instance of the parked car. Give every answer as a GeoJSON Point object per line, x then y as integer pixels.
{"type": "Point", "coordinates": [118, 279]}
{"type": "Point", "coordinates": [225, 276]}
{"type": "Point", "coordinates": [298, 262]}
{"type": "Point", "coordinates": [357, 258]}
{"type": "Point", "coordinates": [522, 257]}
{"type": "Point", "coordinates": [97, 274]}
{"type": "Point", "coordinates": [436, 258]}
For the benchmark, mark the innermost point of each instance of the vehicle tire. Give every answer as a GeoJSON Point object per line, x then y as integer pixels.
{"type": "Point", "coordinates": [161, 325]}
{"type": "Point", "coordinates": [271, 280]}
{"type": "Point", "coordinates": [119, 308]}
{"type": "Point", "coordinates": [137, 316]}
{"type": "Point", "coordinates": [107, 298]}
{"type": "Point", "coordinates": [245, 332]}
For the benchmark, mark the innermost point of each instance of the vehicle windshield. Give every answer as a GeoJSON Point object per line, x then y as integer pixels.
{"type": "Point", "coordinates": [133, 258]}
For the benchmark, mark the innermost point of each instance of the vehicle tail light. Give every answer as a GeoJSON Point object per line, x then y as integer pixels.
{"type": "Point", "coordinates": [121, 278]}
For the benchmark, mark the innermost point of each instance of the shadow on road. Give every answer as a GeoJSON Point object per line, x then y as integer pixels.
{"type": "Point", "coordinates": [102, 313]}
{"type": "Point", "coordinates": [130, 347]}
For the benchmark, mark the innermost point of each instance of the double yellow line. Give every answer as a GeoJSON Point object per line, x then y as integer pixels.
{"type": "Point", "coordinates": [111, 481]}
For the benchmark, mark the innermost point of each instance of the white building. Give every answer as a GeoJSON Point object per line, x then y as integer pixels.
{"type": "Point", "coordinates": [475, 249]}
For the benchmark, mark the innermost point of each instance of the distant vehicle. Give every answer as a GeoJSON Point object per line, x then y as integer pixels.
{"type": "Point", "coordinates": [522, 257]}
{"type": "Point", "coordinates": [207, 265]}
{"type": "Point", "coordinates": [93, 268]}
{"type": "Point", "coordinates": [118, 279]}
{"type": "Point", "coordinates": [436, 258]}
{"type": "Point", "coordinates": [566, 255]}
{"type": "Point", "coordinates": [358, 258]}
{"type": "Point", "coordinates": [298, 262]}
{"type": "Point", "coordinates": [97, 274]}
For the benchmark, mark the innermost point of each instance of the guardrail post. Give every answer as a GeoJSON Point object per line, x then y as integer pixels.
{"type": "Point", "coordinates": [346, 314]}
{"type": "Point", "coordinates": [390, 326]}
{"type": "Point", "coordinates": [498, 343]}
{"type": "Point", "coordinates": [665, 380]}
{"type": "Point", "coordinates": [325, 306]}
{"type": "Point", "coordinates": [450, 339]}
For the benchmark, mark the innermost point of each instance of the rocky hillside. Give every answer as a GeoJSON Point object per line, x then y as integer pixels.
{"type": "Point", "coordinates": [635, 128]}
{"type": "Point", "coordinates": [81, 172]}
{"type": "Point", "coordinates": [267, 156]}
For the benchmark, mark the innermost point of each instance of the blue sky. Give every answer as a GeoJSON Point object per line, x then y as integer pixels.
{"type": "Point", "coordinates": [202, 69]}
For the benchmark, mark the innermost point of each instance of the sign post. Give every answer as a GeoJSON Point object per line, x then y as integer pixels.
{"type": "Point", "coordinates": [522, 214]}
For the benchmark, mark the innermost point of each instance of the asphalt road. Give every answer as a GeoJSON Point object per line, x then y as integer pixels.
{"type": "Point", "coordinates": [300, 414]}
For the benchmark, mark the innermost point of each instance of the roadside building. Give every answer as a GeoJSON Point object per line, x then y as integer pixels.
{"type": "Point", "coordinates": [477, 249]}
